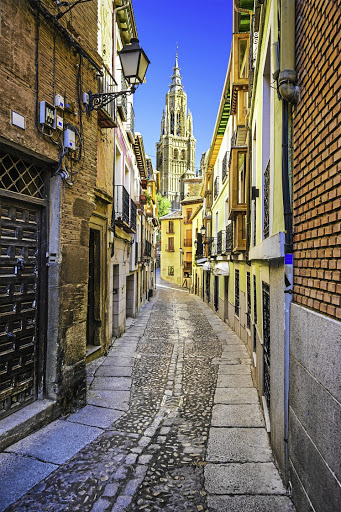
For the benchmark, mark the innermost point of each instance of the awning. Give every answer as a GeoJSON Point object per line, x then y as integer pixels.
{"type": "Point", "coordinates": [221, 269]}
{"type": "Point", "coordinates": [206, 266]}
{"type": "Point", "coordinates": [200, 261]}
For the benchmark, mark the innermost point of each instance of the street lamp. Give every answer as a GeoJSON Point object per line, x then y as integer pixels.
{"type": "Point", "coordinates": [134, 64]}
{"type": "Point", "coordinates": [203, 230]}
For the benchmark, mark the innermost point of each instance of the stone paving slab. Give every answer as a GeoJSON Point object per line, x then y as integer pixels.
{"type": "Point", "coordinates": [114, 371]}
{"type": "Point", "coordinates": [248, 478]}
{"type": "Point", "coordinates": [249, 504]}
{"type": "Point", "coordinates": [238, 445]}
{"type": "Point", "coordinates": [236, 396]}
{"type": "Point", "coordinates": [93, 416]}
{"type": "Point", "coordinates": [57, 442]}
{"type": "Point", "coordinates": [119, 383]}
{"type": "Point", "coordinates": [111, 399]}
{"type": "Point", "coordinates": [241, 369]}
{"type": "Point", "coordinates": [19, 474]}
{"type": "Point", "coordinates": [234, 381]}
{"type": "Point", "coordinates": [119, 361]}
{"type": "Point", "coordinates": [237, 415]}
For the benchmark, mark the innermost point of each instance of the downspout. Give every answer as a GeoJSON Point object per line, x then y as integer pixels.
{"type": "Point", "coordinates": [289, 91]}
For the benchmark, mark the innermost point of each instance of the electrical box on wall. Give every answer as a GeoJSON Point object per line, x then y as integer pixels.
{"type": "Point", "coordinates": [70, 139]}
{"type": "Point", "coordinates": [59, 101]}
{"type": "Point", "coordinates": [68, 105]}
{"type": "Point", "coordinates": [47, 114]}
{"type": "Point", "coordinates": [59, 123]}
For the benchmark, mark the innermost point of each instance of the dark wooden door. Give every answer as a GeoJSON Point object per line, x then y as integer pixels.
{"type": "Point", "coordinates": [94, 289]}
{"type": "Point", "coordinates": [20, 272]}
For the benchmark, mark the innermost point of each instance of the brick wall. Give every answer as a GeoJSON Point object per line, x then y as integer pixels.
{"type": "Point", "coordinates": [60, 68]}
{"type": "Point", "coordinates": [317, 157]}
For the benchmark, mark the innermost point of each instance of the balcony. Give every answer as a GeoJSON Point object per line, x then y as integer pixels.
{"type": "Point", "coordinates": [225, 169]}
{"type": "Point", "coordinates": [200, 247]}
{"type": "Point", "coordinates": [130, 123]}
{"type": "Point", "coordinates": [106, 115]}
{"type": "Point", "coordinates": [216, 187]}
{"type": "Point", "coordinates": [240, 66]}
{"type": "Point", "coordinates": [121, 101]}
{"type": "Point", "coordinates": [229, 238]}
{"type": "Point", "coordinates": [125, 210]}
{"type": "Point", "coordinates": [147, 249]}
{"type": "Point", "coordinates": [188, 243]}
{"type": "Point", "coordinates": [239, 137]}
{"type": "Point", "coordinates": [238, 182]}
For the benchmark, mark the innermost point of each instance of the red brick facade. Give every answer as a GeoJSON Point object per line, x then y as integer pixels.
{"type": "Point", "coordinates": [317, 158]}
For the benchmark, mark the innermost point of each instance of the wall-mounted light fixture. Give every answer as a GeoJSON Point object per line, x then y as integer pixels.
{"type": "Point", "coordinates": [203, 230]}
{"type": "Point", "coordinates": [134, 64]}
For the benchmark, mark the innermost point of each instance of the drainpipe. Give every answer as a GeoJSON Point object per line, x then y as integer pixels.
{"type": "Point", "coordinates": [287, 81]}
{"type": "Point", "coordinates": [289, 91]}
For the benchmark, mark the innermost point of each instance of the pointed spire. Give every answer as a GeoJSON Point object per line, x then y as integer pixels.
{"type": "Point", "coordinates": [176, 84]}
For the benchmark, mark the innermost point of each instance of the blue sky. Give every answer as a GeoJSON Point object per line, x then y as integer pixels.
{"type": "Point", "coordinates": [203, 32]}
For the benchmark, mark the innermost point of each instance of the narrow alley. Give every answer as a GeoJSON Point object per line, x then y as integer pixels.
{"type": "Point", "coordinates": [172, 423]}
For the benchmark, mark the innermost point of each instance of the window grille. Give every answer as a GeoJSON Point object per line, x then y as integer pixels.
{"type": "Point", "coordinates": [229, 237]}
{"type": "Point", "coordinates": [266, 343]}
{"type": "Point", "coordinates": [216, 293]}
{"type": "Point", "coordinates": [224, 171]}
{"type": "Point", "coordinates": [219, 242]}
{"type": "Point", "coordinates": [236, 292]}
{"type": "Point", "coordinates": [248, 296]}
{"type": "Point", "coordinates": [266, 201]}
{"type": "Point", "coordinates": [216, 187]}
{"type": "Point", "coordinates": [21, 176]}
{"type": "Point", "coordinates": [254, 313]}
{"type": "Point", "coordinates": [254, 223]}
{"type": "Point", "coordinates": [208, 286]}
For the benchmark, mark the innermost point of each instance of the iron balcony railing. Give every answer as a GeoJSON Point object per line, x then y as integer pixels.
{"type": "Point", "coordinates": [239, 137]}
{"type": "Point", "coordinates": [106, 84]}
{"type": "Point", "coordinates": [200, 247]}
{"type": "Point", "coordinates": [130, 123]}
{"type": "Point", "coordinates": [133, 214]}
{"type": "Point", "coordinates": [216, 187]}
{"type": "Point", "coordinates": [122, 104]}
{"type": "Point", "coordinates": [125, 209]}
{"type": "Point", "coordinates": [220, 237]}
{"type": "Point", "coordinates": [229, 238]}
{"type": "Point", "coordinates": [225, 169]}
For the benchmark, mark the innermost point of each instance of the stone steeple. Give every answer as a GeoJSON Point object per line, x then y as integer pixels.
{"type": "Point", "coordinates": [176, 84]}
{"type": "Point", "coordinates": [176, 147]}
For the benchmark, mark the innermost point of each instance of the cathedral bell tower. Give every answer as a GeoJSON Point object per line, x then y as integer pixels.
{"type": "Point", "coordinates": [175, 151]}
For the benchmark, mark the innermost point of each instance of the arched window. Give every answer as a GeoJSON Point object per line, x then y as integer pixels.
{"type": "Point", "coordinates": [178, 124]}
{"type": "Point", "coordinates": [183, 154]}
{"type": "Point", "coordinates": [172, 123]}
{"type": "Point", "coordinates": [175, 154]}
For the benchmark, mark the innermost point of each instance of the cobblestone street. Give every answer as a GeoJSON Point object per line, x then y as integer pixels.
{"type": "Point", "coordinates": [172, 423]}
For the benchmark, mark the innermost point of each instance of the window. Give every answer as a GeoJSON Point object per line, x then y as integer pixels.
{"type": "Point", "coordinates": [171, 244]}
{"type": "Point", "coordinates": [248, 298]}
{"type": "Point", "coordinates": [243, 60]}
{"type": "Point", "coordinates": [266, 342]}
{"type": "Point", "coordinates": [172, 123]}
{"type": "Point", "coordinates": [224, 171]}
{"type": "Point", "coordinates": [189, 215]}
{"type": "Point", "coordinates": [171, 271]}
{"type": "Point", "coordinates": [178, 122]}
{"type": "Point", "coordinates": [170, 226]}
{"type": "Point", "coordinates": [183, 154]}
{"type": "Point", "coordinates": [241, 178]}
{"type": "Point", "coordinates": [236, 292]}
{"type": "Point", "coordinates": [175, 154]}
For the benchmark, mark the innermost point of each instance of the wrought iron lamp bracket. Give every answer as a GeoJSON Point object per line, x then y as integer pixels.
{"type": "Point", "coordinates": [99, 100]}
